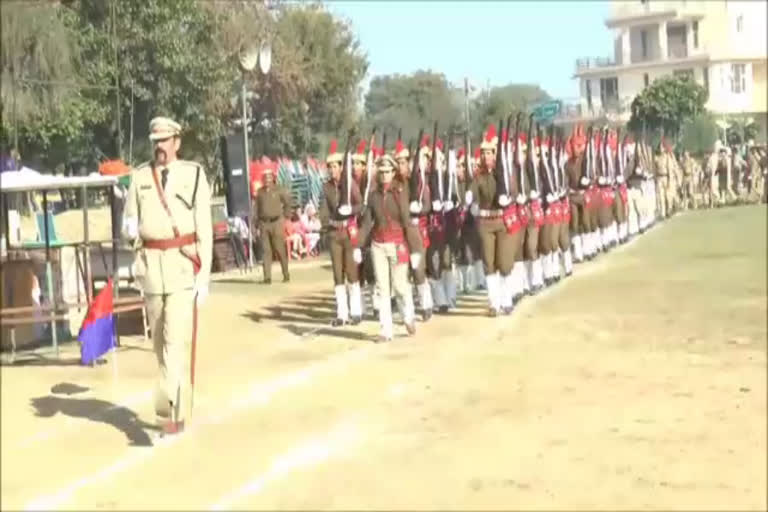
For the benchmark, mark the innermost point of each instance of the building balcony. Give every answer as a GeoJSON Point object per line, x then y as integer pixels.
{"type": "Point", "coordinates": [594, 62]}
{"type": "Point", "coordinates": [576, 110]}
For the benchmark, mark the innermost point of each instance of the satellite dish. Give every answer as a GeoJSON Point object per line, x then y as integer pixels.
{"type": "Point", "coordinates": [265, 57]}
{"type": "Point", "coordinates": [248, 57]}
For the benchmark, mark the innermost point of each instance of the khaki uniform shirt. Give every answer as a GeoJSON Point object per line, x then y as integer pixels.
{"type": "Point", "coordinates": [272, 202]}
{"type": "Point", "coordinates": [189, 200]}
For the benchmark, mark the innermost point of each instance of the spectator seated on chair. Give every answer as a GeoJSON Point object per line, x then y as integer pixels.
{"type": "Point", "coordinates": [294, 236]}
{"type": "Point", "coordinates": [312, 226]}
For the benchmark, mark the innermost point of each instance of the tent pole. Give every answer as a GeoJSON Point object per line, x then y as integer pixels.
{"type": "Point", "coordinates": [49, 274]}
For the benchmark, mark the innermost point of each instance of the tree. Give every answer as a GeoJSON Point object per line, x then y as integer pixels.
{"type": "Point", "coordinates": [667, 104]}
{"type": "Point", "coordinates": [44, 113]}
{"type": "Point", "coordinates": [311, 91]}
{"type": "Point", "coordinates": [699, 134]}
{"type": "Point", "coordinates": [410, 102]}
{"type": "Point", "coordinates": [502, 101]}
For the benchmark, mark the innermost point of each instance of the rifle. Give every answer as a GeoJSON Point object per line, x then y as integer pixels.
{"type": "Point", "coordinates": [518, 161]}
{"type": "Point", "coordinates": [531, 165]}
{"type": "Point", "coordinates": [345, 187]}
{"type": "Point", "coordinates": [507, 157]}
{"type": "Point", "coordinates": [452, 163]}
{"type": "Point", "coordinates": [413, 179]}
{"type": "Point", "coordinates": [498, 169]}
{"type": "Point", "coordinates": [549, 180]}
{"type": "Point", "coordinates": [433, 177]}
{"type": "Point", "coordinates": [369, 167]}
{"type": "Point", "coordinates": [384, 141]}
{"type": "Point", "coordinates": [468, 171]}
{"type": "Point", "coordinates": [562, 159]}
{"type": "Point", "coordinates": [587, 162]}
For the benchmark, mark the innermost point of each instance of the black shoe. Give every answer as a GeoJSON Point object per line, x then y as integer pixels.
{"type": "Point", "coordinates": [267, 280]}
{"type": "Point", "coordinates": [382, 339]}
{"type": "Point", "coordinates": [442, 310]}
{"type": "Point", "coordinates": [337, 322]}
{"type": "Point", "coordinates": [427, 314]}
{"type": "Point", "coordinates": [355, 320]}
{"type": "Point", "coordinates": [507, 310]}
{"type": "Point", "coordinates": [286, 279]}
{"type": "Point", "coordinates": [493, 313]}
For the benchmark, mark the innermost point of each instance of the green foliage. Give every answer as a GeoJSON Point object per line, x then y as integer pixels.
{"type": "Point", "coordinates": [666, 104]}
{"type": "Point", "coordinates": [740, 130]}
{"type": "Point", "coordinates": [503, 101]}
{"type": "Point", "coordinates": [699, 134]}
{"type": "Point", "coordinates": [123, 62]}
{"type": "Point", "coordinates": [410, 102]}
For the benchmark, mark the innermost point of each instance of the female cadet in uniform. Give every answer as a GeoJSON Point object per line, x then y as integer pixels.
{"type": "Point", "coordinates": [339, 224]}
{"type": "Point", "coordinates": [497, 225]}
{"type": "Point", "coordinates": [386, 221]}
{"type": "Point", "coordinates": [419, 273]}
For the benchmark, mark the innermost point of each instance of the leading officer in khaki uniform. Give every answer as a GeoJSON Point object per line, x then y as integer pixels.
{"type": "Point", "coordinates": [273, 205]}
{"type": "Point", "coordinates": [168, 218]}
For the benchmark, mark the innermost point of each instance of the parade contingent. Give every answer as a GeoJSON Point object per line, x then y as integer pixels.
{"type": "Point", "coordinates": [408, 226]}
{"type": "Point", "coordinates": [420, 226]}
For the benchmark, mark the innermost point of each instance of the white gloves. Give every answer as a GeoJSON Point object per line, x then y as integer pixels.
{"type": "Point", "coordinates": [130, 227]}
{"type": "Point", "coordinates": [357, 255]}
{"type": "Point", "coordinates": [520, 198]}
{"type": "Point", "coordinates": [448, 206]}
{"type": "Point", "coordinates": [474, 209]}
{"type": "Point", "coordinates": [415, 207]}
{"type": "Point", "coordinates": [550, 198]}
{"type": "Point", "coordinates": [584, 181]}
{"type": "Point", "coordinates": [504, 200]}
{"type": "Point", "coordinates": [345, 210]}
{"type": "Point", "coordinates": [468, 197]}
{"type": "Point", "coordinates": [619, 179]}
{"type": "Point", "coordinates": [415, 260]}
{"type": "Point", "coordinates": [534, 194]}
{"type": "Point", "coordinates": [437, 205]}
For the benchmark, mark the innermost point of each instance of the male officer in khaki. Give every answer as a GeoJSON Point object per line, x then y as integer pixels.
{"type": "Point", "coordinates": [168, 218]}
{"type": "Point", "coordinates": [273, 205]}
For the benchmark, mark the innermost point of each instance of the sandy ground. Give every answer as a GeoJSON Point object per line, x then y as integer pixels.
{"type": "Point", "coordinates": [640, 382]}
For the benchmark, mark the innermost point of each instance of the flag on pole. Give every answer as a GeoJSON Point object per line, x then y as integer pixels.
{"type": "Point", "coordinates": [97, 333]}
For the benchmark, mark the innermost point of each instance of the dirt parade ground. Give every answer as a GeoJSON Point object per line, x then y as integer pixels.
{"type": "Point", "coordinates": [639, 382]}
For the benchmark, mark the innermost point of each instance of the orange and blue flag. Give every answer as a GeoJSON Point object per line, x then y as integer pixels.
{"type": "Point", "coordinates": [97, 333]}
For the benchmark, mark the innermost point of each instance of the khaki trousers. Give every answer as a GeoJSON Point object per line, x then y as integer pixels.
{"type": "Point", "coordinates": [172, 318]}
{"type": "Point", "coordinates": [273, 238]}
{"type": "Point", "coordinates": [342, 258]}
{"type": "Point", "coordinates": [388, 269]}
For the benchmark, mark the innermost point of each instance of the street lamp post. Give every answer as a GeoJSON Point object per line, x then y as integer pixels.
{"type": "Point", "coordinates": [247, 63]}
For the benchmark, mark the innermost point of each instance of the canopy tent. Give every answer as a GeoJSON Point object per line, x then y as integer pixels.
{"type": "Point", "coordinates": [29, 180]}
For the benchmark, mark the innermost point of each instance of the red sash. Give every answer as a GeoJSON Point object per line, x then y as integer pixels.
{"type": "Point", "coordinates": [607, 196]}
{"type": "Point", "coordinates": [352, 231]}
{"type": "Point", "coordinates": [512, 219]}
{"type": "Point", "coordinates": [537, 212]}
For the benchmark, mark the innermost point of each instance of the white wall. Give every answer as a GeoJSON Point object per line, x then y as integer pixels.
{"type": "Point", "coordinates": [721, 97]}
{"type": "Point", "coordinates": [652, 42]}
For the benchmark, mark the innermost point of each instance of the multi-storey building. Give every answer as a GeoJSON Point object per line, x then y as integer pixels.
{"type": "Point", "coordinates": [721, 44]}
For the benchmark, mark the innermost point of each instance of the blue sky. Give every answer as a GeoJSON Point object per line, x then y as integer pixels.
{"type": "Point", "coordinates": [538, 41]}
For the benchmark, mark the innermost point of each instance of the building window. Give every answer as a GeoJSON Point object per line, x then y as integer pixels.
{"type": "Point", "coordinates": [705, 74]}
{"type": "Point", "coordinates": [645, 79]}
{"type": "Point", "coordinates": [738, 78]}
{"type": "Point", "coordinates": [589, 94]}
{"type": "Point", "coordinates": [695, 34]}
{"type": "Point", "coordinates": [685, 73]}
{"type": "Point", "coordinates": [609, 91]}
{"type": "Point", "coordinates": [644, 43]}
{"type": "Point", "coordinates": [739, 23]}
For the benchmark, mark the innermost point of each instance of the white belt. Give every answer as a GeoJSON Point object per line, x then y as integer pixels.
{"type": "Point", "coordinates": [339, 223]}
{"type": "Point", "coordinates": [489, 213]}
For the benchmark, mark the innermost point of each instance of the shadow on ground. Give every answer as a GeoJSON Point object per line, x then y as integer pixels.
{"type": "Point", "coordinates": [101, 411]}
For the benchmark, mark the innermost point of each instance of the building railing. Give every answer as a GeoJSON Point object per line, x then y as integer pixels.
{"type": "Point", "coordinates": [594, 62]}
{"type": "Point", "coordinates": [573, 109]}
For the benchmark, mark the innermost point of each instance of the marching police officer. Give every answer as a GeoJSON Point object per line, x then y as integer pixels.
{"type": "Point", "coordinates": [167, 216]}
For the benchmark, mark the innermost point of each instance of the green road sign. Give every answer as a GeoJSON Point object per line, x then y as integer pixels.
{"type": "Point", "coordinates": [545, 112]}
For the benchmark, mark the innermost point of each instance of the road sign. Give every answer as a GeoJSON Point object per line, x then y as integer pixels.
{"type": "Point", "coordinates": [545, 112]}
